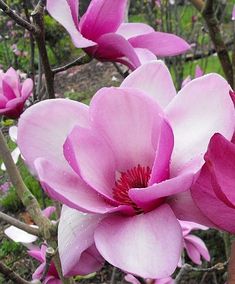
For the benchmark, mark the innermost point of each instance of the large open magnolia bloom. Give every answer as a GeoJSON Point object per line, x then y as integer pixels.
{"type": "Point", "coordinates": [13, 94]}
{"type": "Point", "coordinates": [122, 161]}
{"type": "Point", "coordinates": [103, 35]}
{"type": "Point", "coordinates": [213, 191]}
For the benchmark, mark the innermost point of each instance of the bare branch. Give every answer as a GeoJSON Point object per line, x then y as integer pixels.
{"type": "Point", "coordinates": [19, 224]}
{"type": "Point", "coordinates": [188, 268]}
{"type": "Point", "coordinates": [79, 61]}
{"type": "Point", "coordinates": [20, 21]}
{"type": "Point", "coordinates": [216, 36]}
{"type": "Point", "coordinates": [10, 274]}
{"type": "Point", "coordinates": [41, 43]}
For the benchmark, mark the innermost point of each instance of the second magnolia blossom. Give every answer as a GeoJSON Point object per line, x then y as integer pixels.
{"type": "Point", "coordinates": [123, 165]}
{"type": "Point", "coordinates": [103, 35]}
{"type": "Point", "coordinates": [13, 93]}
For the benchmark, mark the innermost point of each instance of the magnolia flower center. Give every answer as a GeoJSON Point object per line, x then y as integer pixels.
{"type": "Point", "coordinates": [136, 177]}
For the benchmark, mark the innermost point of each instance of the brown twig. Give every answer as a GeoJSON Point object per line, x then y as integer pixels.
{"type": "Point", "coordinates": [10, 274]}
{"type": "Point", "coordinates": [19, 224]}
{"type": "Point", "coordinates": [20, 21]}
{"type": "Point", "coordinates": [208, 14]}
{"type": "Point", "coordinates": [188, 268]}
{"type": "Point", "coordinates": [32, 49]}
{"type": "Point", "coordinates": [79, 61]}
{"type": "Point", "coordinates": [41, 43]}
{"type": "Point", "coordinates": [209, 52]}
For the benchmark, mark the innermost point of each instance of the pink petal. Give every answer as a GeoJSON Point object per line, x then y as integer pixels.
{"type": "Point", "coordinates": [144, 55]}
{"type": "Point", "coordinates": [131, 279]}
{"type": "Point", "coordinates": [194, 246]}
{"type": "Point", "coordinates": [187, 227]}
{"type": "Point", "coordinates": [44, 127]}
{"type": "Point", "coordinates": [8, 92]}
{"type": "Point", "coordinates": [27, 88]}
{"type": "Point", "coordinates": [102, 17]}
{"type": "Point", "coordinates": [209, 204]}
{"type": "Point", "coordinates": [193, 253]}
{"type": "Point", "coordinates": [220, 159]}
{"type": "Point", "coordinates": [128, 242]}
{"type": "Point", "coordinates": [36, 253]}
{"type": "Point", "coordinates": [3, 101]}
{"type": "Point", "coordinates": [128, 30]}
{"type": "Point", "coordinates": [201, 108]}
{"type": "Point", "coordinates": [127, 120]}
{"type": "Point", "coordinates": [13, 133]}
{"type": "Point", "coordinates": [13, 80]}
{"type": "Point", "coordinates": [155, 80]}
{"type": "Point", "coordinates": [75, 236]}
{"type": "Point", "coordinates": [47, 212]}
{"type": "Point", "coordinates": [20, 236]}
{"type": "Point", "coordinates": [161, 44]}
{"type": "Point", "coordinates": [186, 209]}
{"type": "Point", "coordinates": [67, 187]}
{"type": "Point", "coordinates": [198, 72]}
{"type": "Point", "coordinates": [92, 158]}
{"type": "Point", "coordinates": [74, 7]}
{"type": "Point", "coordinates": [114, 47]}
{"type": "Point", "coordinates": [39, 272]}
{"type": "Point", "coordinates": [160, 169]}
{"type": "Point", "coordinates": [63, 12]}
{"type": "Point", "coordinates": [90, 261]}
{"type": "Point", "coordinates": [146, 198]}
{"type": "Point", "coordinates": [233, 13]}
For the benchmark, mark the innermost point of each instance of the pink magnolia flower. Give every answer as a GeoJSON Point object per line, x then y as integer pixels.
{"type": "Point", "coordinates": [194, 246]}
{"type": "Point", "coordinates": [213, 191]}
{"type": "Point", "coordinates": [52, 276]}
{"type": "Point", "coordinates": [124, 164]}
{"type": "Point", "coordinates": [103, 35]}
{"type": "Point", "coordinates": [13, 94]}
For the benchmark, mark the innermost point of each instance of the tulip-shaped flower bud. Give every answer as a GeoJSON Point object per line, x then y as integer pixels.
{"type": "Point", "coordinates": [13, 93]}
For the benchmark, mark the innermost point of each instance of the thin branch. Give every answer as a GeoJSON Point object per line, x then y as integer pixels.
{"type": "Point", "coordinates": [124, 74]}
{"type": "Point", "coordinates": [41, 43]}
{"type": "Point", "coordinates": [32, 50]}
{"type": "Point", "coordinates": [215, 34]}
{"type": "Point", "coordinates": [10, 274]}
{"type": "Point", "coordinates": [19, 224]}
{"type": "Point", "coordinates": [188, 268]}
{"type": "Point", "coordinates": [209, 52]}
{"type": "Point", "coordinates": [84, 59]}
{"type": "Point", "coordinates": [20, 21]}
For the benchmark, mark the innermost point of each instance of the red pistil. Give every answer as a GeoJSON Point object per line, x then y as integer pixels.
{"type": "Point", "coordinates": [136, 177]}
